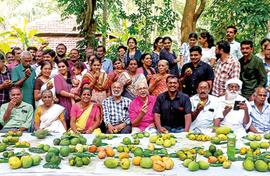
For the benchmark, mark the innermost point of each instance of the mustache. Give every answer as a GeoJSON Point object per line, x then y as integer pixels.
{"type": "Point", "coordinates": [203, 93]}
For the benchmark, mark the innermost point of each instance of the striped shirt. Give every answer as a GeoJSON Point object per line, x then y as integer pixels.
{"type": "Point", "coordinates": [116, 112]}
{"type": "Point", "coordinates": [224, 71]}
{"type": "Point", "coordinates": [4, 93]}
{"type": "Point", "coordinates": [260, 120]}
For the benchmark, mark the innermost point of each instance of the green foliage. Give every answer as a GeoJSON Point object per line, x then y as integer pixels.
{"type": "Point", "coordinates": [250, 18]}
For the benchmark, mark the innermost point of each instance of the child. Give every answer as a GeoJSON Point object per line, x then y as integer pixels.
{"type": "Point", "coordinates": [79, 71]}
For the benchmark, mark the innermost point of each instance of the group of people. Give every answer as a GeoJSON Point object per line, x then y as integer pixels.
{"type": "Point", "coordinates": [205, 86]}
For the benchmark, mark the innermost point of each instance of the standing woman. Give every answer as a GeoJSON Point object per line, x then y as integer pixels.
{"type": "Point", "coordinates": [184, 50]}
{"type": "Point", "coordinates": [43, 82]}
{"type": "Point", "coordinates": [208, 48]}
{"type": "Point", "coordinates": [132, 52]}
{"type": "Point", "coordinates": [118, 68]}
{"type": "Point", "coordinates": [146, 68]}
{"type": "Point", "coordinates": [158, 81]}
{"type": "Point", "coordinates": [167, 54]}
{"type": "Point", "coordinates": [130, 79]}
{"type": "Point", "coordinates": [97, 80]}
{"type": "Point", "coordinates": [158, 45]}
{"type": "Point", "coordinates": [63, 84]}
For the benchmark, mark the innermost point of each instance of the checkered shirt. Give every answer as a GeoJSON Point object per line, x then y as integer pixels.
{"type": "Point", "coordinates": [223, 72]}
{"type": "Point", "coordinates": [116, 113]}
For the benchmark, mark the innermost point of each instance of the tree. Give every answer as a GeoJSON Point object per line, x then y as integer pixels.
{"type": "Point", "coordinates": [84, 12]}
{"type": "Point", "coordinates": [190, 17]}
{"type": "Point", "coordinates": [250, 17]}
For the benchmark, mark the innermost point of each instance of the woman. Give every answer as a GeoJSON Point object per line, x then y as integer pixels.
{"type": "Point", "coordinates": [208, 48]}
{"type": "Point", "coordinates": [158, 45]}
{"type": "Point", "coordinates": [146, 68]}
{"type": "Point", "coordinates": [50, 116]}
{"type": "Point", "coordinates": [43, 82]}
{"type": "Point", "coordinates": [132, 52]}
{"type": "Point", "coordinates": [167, 54]}
{"type": "Point", "coordinates": [85, 116]}
{"type": "Point", "coordinates": [63, 84]}
{"type": "Point", "coordinates": [130, 78]}
{"type": "Point", "coordinates": [97, 80]}
{"type": "Point", "coordinates": [184, 51]}
{"type": "Point", "coordinates": [118, 69]}
{"type": "Point", "coordinates": [263, 43]}
{"type": "Point", "coordinates": [158, 82]}
{"type": "Point", "coordinates": [10, 57]}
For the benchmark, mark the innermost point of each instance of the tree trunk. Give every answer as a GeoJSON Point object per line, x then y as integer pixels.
{"type": "Point", "coordinates": [104, 18]}
{"type": "Point", "coordinates": [190, 17]}
{"type": "Point", "coordinates": [89, 24]}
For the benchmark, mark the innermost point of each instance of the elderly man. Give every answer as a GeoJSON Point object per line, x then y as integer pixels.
{"type": "Point", "coordinates": [115, 110]}
{"type": "Point", "coordinates": [140, 109]}
{"type": "Point", "coordinates": [172, 109]}
{"type": "Point", "coordinates": [260, 112]}
{"type": "Point", "coordinates": [16, 114]}
{"type": "Point", "coordinates": [204, 107]}
{"type": "Point", "coordinates": [235, 108]}
{"type": "Point", "coordinates": [24, 76]}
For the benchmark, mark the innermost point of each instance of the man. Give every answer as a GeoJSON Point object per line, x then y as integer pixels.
{"type": "Point", "coordinates": [235, 108]}
{"type": "Point", "coordinates": [24, 76]}
{"type": "Point", "coordinates": [235, 46]}
{"type": "Point", "coordinates": [49, 55]}
{"type": "Point", "coordinates": [61, 50]}
{"type": "Point", "coordinates": [74, 57]}
{"type": "Point", "coordinates": [106, 63]}
{"type": "Point", "coordinates": [115, 110]}
{"type": "Point", "coordinates": [33, 51]}
{"type": "Point", "coordinates": [195, 71]}
{"type": "Point", "coordinates": [252, 72]}
{"type": "Point", "coordinates": [204, 107]}
{"type": "Point", "coordinates": [227, 68]}
{"type": "Point", "coordinates": [16, 114]}
{"type": "Point", "coordinates": [89, 54]}
{"type": "Point", "coordinates": [16, 51]}
{"type": "Point", "coordinates": [260, 112]}
{"type": "Point", "coordinates": [5, 81]}
{"type": "Point", "coordinates": [39, 59]}
{"type": "Point", "coordinates": [172, 109]}
{"type": "Point", "coordinates": [267, 64]}
{"type": "Point", "coordinates": [140, 109]}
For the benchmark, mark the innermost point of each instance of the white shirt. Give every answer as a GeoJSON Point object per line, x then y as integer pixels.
{"type": "Point", "coordinates": [208, 54]}
{"type": "Point", "coordinates": [208, 114]}
{"type": "Point", "coordinates": [235, 51]}
{"type": "Point", "coordinates": [234, 119]}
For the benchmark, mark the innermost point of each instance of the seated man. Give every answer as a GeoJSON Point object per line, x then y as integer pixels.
{"type": "Point", "coordinates": [235, 108]}
{"type": "Point", "coordinates": [172, 109]}
{"type": "Point", "coordinates": [204, 107]}
{"type": "Point", "coordinates": [115, 110]}
{"type": "Point", "coordinates": [260, 112]}
{"type": "Point", "coordinates": [140, 109]}
{"type": "Point", "coordinates": [16, 115]}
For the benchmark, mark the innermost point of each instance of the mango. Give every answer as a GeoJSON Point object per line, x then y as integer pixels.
{"type": "Point", "coordinates": [111, 163]}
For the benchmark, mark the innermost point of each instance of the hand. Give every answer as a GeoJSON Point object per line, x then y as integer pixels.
{"type": "Point", "coordinates": [77, 98]}
{"type": "Point", "coordinates": [144, 109]}
{"type": "Point", "coordinates": [96, 75]}
{"type": "Point", "coordinates": [188, 72]}
{"type": "Point", "coordinates": [227, 109]}
{"type": "Point", "coordinates": [243, 105]}
{"type": "Point", "coordinates": [7, 84]}
{"type": "Point", "coordinates": [12, 104]}
{"type": "Point", "coordinates": [120, 126]}
{"type": "Point", "coordinates": [148, 77]}
{"type": "Point", "coordinates": [200, 107]}
{"type": "Point", "coordinates": [49, 85]}
{"type": "Point", "coordinates": [158, 78]}
{"type": "Point", "coordinates": [111, 128]}
{"type": "Point", "coordinates": [162, 130]}
{"type": "Point", "coordinates": [27, 72]}
{"type": "Point", "coordinates": [89, 131]}
{"type": "Point", "coordinates": [128, 82]}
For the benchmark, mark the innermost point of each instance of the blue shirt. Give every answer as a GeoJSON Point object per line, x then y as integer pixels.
{"type": "Point", "coordinates": [172, 111]}
{"type": "Point", "coordinates": [107, 65]}
{"type": "Point", "coordinates": [260, 120]}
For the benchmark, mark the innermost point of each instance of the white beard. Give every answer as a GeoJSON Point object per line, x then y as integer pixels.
{"type": "Point", "coordinates": [116, 94]}
{"type": "Point", "coordinates": [230, 95]}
